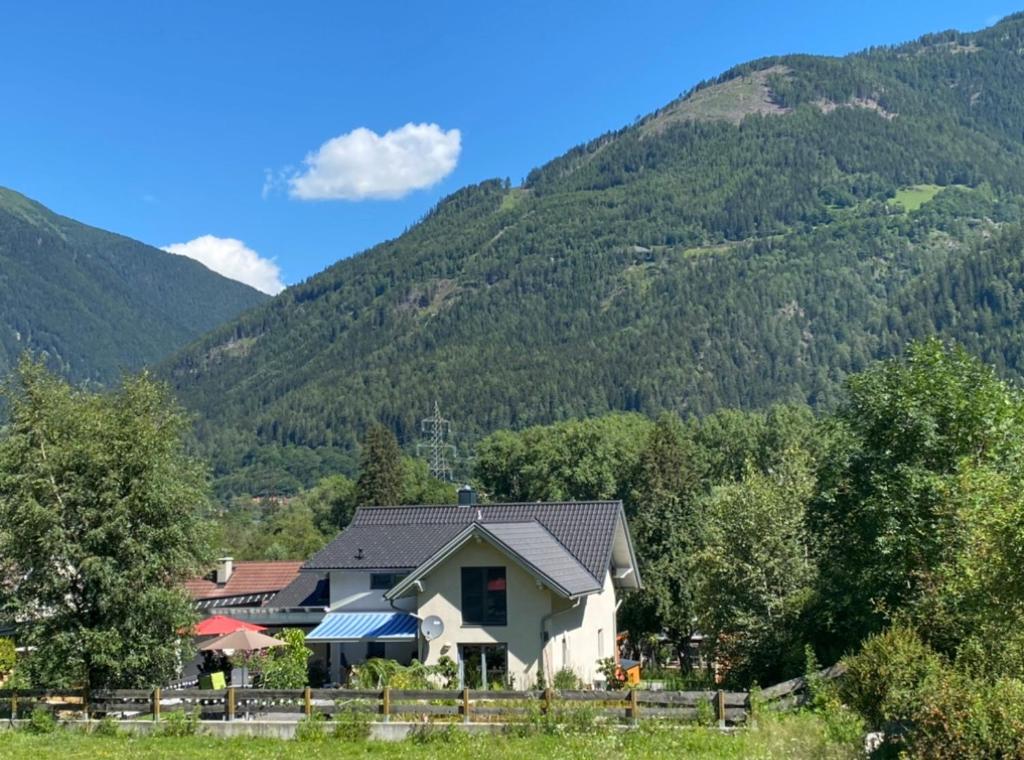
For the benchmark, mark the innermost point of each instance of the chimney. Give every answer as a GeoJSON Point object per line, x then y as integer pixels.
{"type": "Point", "coordinates": [225, 566]}
{"type": "Point", "coordinates": [467, 496]}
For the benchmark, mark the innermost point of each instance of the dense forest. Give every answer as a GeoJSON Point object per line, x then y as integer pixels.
{"type": "Point", "coordinates": [94, 304]}
{"type": "Point", "coordinates": [755, 241]}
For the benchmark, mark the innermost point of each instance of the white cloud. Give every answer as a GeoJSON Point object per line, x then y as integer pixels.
{"type": "Point", "coordinates": [362, 164]}
{"type": "Point", "coordinates": [233, 259]}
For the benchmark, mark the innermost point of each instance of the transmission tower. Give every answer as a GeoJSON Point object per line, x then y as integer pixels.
{"type": "Point", "coordinates": [439, 452]}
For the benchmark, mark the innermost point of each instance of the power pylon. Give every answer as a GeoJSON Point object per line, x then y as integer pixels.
{"type": "Point", "coordinates": [439, 452]}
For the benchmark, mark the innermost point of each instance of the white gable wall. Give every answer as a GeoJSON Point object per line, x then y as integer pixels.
{"type": "Point", "coordinates": [574, 631]}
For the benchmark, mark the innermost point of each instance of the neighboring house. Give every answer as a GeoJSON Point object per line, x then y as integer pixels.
{"type": "Point", "coordinates": [515, 588]}
{"type": "Point", "coordinates": [240, 584]}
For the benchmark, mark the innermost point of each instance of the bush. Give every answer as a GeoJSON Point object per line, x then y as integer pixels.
{"type": "Point", "coordinates": [41, 721]}
{"type": "Point", "coordinates": [311, 729]}
{"type": "Point", "coordinates": [885, 681]}
{"type": "Point", "coordinates": [108, 727]}
{"type": "Point", "coordinates": [351, 725]}
{"type": "Point", "coordinates": [179, 723]}
{"type": "Point", "coordinates": [613, 675]}
{"type": "Point", "coordinates": [565, 680]}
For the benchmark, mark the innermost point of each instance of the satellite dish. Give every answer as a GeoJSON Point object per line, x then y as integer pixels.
{"type": "Point", "coordinates": [432, 627]}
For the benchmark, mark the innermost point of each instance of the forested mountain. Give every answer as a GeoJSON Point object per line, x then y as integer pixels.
{"type": "Point", "coordinates": [94, 303]}
{"type": "Point", "coordinates": [754, 241]}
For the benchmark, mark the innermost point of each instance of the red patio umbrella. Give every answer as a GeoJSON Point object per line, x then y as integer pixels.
{"type": "Point", "coordinates": [219, 625]}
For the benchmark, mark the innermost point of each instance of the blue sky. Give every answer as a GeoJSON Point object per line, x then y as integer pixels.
{"type": "Point", "coordinates": [192, 122]}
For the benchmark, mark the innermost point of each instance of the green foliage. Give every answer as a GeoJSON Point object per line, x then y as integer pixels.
{"type": "Point", "coordinates": [179, 723]}
{"type": "Point", "coordinates": [377, 673]}
{"type": "Point", "coordinates": [565, 679]}
{"type": "Point", "coordinates": [613, 675]}
{"type": "Point", "coordinates": [351, 725]}
{"type": "Point", "coordinates": [108, 727]}
{"type": "Point", "coordinates": [910, 432]}
{"type": "Point", "coordinates": [754, 576]}
{"type": "Point", "coordinates": [886, 679]}
{"type": "Point", "coordinates": [312, 728]}
{"type": "Point", "coordinates": [93, 303]}
{"type": "Point", "coordinates": [41, 721]}
{"type": "Point", "coordinates": [380, 469]}
{"type": "Point", "coordinates": [284, 667]}
{"type": "Point", "coordinates": [8, 658]}
{"type": "Point", "coordinates": [448, 671]}
{"type": "Point", "coordinates": [100, 521]}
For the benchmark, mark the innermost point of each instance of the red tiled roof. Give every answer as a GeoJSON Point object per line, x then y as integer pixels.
{"type": "Point", "coordinates": [247, 578]}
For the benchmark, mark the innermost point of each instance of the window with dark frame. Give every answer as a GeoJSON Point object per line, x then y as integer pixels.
{"type": "Point", "coordinates": [384, 581]}
{"type": "Point", "coordinates": [484, 596]}
{"type": "Point", "coordinates": [375, 650]}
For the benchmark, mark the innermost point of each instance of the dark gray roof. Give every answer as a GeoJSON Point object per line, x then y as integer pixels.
{"type": "Point", "coordinates": [308, 590]}
{"type": "Point", "coordinates": [405, 537]}
{"type": "Point", "coordinates": [537, 547]}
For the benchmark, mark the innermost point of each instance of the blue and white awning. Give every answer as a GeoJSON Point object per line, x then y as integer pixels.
{"type": "Point", "coordinates": [365, 626]}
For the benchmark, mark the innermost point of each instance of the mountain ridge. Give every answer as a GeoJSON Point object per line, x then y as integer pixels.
{"type": "Point", "coordinates": [94, 303]}
{"type": "Point", "coordinates": [684, 264]}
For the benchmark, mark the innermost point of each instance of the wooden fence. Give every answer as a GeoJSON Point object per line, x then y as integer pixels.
{"type": "Point", "coordinates": [725, 707]}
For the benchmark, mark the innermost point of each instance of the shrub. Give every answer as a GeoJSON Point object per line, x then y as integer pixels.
{"type": "Point", "coordinates": [885, 681]}
{"type": "Point", "coordinates": [179, 723]}
{"type": "Point", "coordinates": [351, 725]}
{"type": "Point", "coordinates": [311, 729]}
{"type": "Point", "coordinates": [108, 727]}
{"type": "Point", "coordinates": [613, 675]}
{"type": "Point", "coordinates": [565, 679]}
{"type": "Point", "coordinates": [284, 667]}
{"type": "Point", "coordinates": [41, 721]}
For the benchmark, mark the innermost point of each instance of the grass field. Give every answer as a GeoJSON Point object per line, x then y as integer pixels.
{"type": "Point", "coordinates": [913, 197]}
{"type": "Point", "coordinates": [794, 736]}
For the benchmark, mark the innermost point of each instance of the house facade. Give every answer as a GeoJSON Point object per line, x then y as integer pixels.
{"type": "Point", "coordinates": [504, 590]}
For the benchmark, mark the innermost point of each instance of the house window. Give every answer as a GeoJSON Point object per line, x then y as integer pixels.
{"type": "Point", "coordinates": [600, 643]}
{"type": "Point", "coordinates": [375, 649]}
{"type": "Point", "coordinates": [483, 666]}
{"type": "Point", "coordinates": [484, 596]}
{"type": "Point", "coordinates": [384, 581]}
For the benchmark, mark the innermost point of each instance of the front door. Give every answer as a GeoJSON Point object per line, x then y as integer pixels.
{"type": "Point", "coordinates": [483, 666]}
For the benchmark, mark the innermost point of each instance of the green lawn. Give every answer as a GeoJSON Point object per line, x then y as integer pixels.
{"type": "Point", "coordinates": [794, 736]}
{"type": "Point", "coordinates": [913, 197]}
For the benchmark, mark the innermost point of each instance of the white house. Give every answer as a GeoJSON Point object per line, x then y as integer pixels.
{"type": "Point", "coordinates": [502, 589]}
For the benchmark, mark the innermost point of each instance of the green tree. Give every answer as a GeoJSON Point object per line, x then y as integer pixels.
{"type": "Point", "coordinates": [753, 576]}
{"type": "Point", "coordinates": [99, 521]}
{"type": "Point", "coordinates": [284, 667]}
{"type": "Point", "coordinates": [667, 530]}
{"type": "Point", "coordinates": [882, 522]}
{"type": "Point", "coordinates": [380, 469]}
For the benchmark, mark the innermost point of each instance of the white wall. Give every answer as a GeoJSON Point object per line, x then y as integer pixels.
{"type": "Point", "coordinates": [527, 604]}
{"type": "Point", "coordinates": [350, 592]}
{"type": "Point", "coordinates": [580, 636]}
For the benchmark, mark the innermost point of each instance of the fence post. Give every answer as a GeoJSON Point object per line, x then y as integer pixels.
{"type": "Point", "coordinates": [14, 704]}
{"type": "Point", "coordinates": [634, 706]}
{"type": "Point", "coordinates": [156, 703]}
{"type": "Point", "coordinates": [720, 704]}
{"type": "Point", "coordinates": [465, 705]}
{"type": "Point", "coordinates": [307, 697]}
{"type": "Point", "coordinates": [231, 703]}
{"type": "Point", "coordinates": [386, 704]}
{"type": "Point", "coordinates": [549, 694]}
{"type": "Point", "coordinates": [86, 697]}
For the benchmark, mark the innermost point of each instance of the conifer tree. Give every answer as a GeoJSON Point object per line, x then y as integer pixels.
{"type": "Point", "coordinates": [380, 469]}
